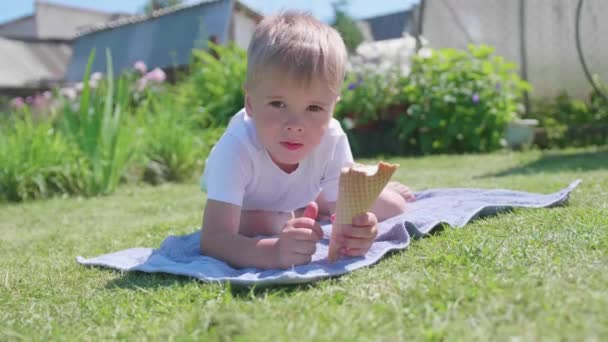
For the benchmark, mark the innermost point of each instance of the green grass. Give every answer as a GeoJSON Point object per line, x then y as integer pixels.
{"type": "Point", "coordinates": [536, 274]}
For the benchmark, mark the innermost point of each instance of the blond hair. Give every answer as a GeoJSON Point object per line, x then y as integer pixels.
{"type": "Point", "coordinates": [300, 46]}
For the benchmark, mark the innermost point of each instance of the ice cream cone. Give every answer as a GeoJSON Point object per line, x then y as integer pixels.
{"type": "Point", "coordinates": [359, 187]}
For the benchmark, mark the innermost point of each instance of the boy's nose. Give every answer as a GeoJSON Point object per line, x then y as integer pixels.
{"type": "Point", "coordinates": [294, 124]}
{"type": "Point", "coordinates": [294, 128]}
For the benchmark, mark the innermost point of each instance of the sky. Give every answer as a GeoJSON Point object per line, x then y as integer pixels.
{"type": "Point", "coordinates": [11, 9]}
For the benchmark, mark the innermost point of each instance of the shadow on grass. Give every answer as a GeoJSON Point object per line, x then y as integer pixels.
{"type": "Point", "coordinates": [151, 281]}
{"type": "Point", "coordinates": [559, 162]}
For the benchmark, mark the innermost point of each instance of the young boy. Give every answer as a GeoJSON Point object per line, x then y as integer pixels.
{"type": "Point", "coordinates": [283, 152]}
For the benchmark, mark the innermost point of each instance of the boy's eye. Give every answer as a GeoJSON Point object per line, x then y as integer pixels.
{"type": "Point", "coordinates": [315, 108]}
{"type": "Point", "coordinates": [277, 104]}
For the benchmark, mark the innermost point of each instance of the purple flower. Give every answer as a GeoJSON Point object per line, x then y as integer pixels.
{"type": "Point", "coordinates": [47, 95]}
{"type": "Point", "coordinates": [141, 67]}
{"type": "Point", "coordinates": [475, 98]}
{"type": "Point", "coordinates": [18, 102]}
{"type": "Point", "coordinates": [498, 86]}
{"type": "Point", "coordinates": [354, 85]}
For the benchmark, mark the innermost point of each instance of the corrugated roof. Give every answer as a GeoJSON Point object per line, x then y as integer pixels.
{"type": "Point", "coordinates": [164, 39]}
{"type": "Point", "coordinates": [134, 19]}
{"type": "Point", "coordinates": [30, 64]}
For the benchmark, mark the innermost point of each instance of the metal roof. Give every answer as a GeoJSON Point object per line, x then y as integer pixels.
{"type": "Point", "coordinates": [164, 39]}
{"type": "Point", "coordinates": [134, 19]}
{"type": "Point", "coordinates": [30, 64]}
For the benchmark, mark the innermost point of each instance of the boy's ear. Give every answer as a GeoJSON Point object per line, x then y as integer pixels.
{"type": "Point", "coordinates": [248, 108]}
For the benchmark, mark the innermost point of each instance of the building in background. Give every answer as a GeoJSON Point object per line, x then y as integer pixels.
{"type": "Point", "coordinates": [389, 26]}
{"type": "Point", "coordinates": [51, 46]}
{"type": "Point", "coordinates": [539, 36]}
{"type": "Point", "coordinates": [36, 48]}
{"type": "Point", "coordinates": [164, 39]}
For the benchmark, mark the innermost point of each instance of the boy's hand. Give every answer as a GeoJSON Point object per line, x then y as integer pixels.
{"type": "Point", "coordinates": [357, 238]}
{"type": "Point", "coordinates": [297, 241]}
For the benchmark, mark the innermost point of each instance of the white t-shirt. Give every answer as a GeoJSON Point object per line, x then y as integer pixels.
{"type": "Point", "coordinates": [239, 170]}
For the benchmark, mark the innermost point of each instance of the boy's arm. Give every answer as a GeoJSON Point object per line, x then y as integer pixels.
{"type": "Point", "coordinates": [220, 238]}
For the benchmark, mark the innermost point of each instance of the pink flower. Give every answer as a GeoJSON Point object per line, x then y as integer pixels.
{"type": "Point", "coordinates": [40, 101]}
{"type": "Point", "coordinates": [157, 75]}
{"type": "Point", "coordinates": [70, 93]}
{"type": "Point", "coordinates": [141, 67]}
{"type": "Point", "coordinates": [47, 95]}
{"type": "Point", "coordinates": [141, 83]}
{"type": "Point", "coordinates": [17, 102]}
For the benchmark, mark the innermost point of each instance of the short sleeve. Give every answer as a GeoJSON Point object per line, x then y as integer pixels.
{"type": "Point", "coordinates": [227, 171]}
{"type": "Point", "coordinates": [341, 157]}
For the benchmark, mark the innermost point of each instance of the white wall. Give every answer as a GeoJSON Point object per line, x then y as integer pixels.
{"type": "Point", "coordinates": [63, 22]}
{"type": "Point", "coordinates": [243, 29]}
{"type": "Point", "coordinates": [552, 59]}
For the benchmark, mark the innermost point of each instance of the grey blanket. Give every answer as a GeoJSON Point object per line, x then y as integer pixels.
{"type": "Point", "coordinates": [455, 207]}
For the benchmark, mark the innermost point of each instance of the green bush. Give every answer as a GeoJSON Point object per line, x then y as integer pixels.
{"type": "Point", "coordinates": [366, 96]}
{"type": "Point", "coordinates": [460, 101]}
{"type": "Point", "coordinates": [569, 122]}
{"type": "Point", "coordinates": [37, 162]}
{"type": "Point", "coordinates": [212, 91]}
{"type": "Point", "coordinates": [174, 149]}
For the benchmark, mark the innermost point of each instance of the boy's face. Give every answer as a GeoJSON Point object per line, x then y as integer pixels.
{"type": "Point", "coordinates": [290, 118]}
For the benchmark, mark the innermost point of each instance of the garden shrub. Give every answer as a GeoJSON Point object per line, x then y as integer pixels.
{"type": "Point", "coordinates": [98, 125]}
{"type": "Point", "coordinates": [175, 150]}
{"type": "Point", "coordinates": [365, 97]}
{"type": "Point", "coordinates": [569, 122]}
{"type": "Point", "coordinates": [38, 162]}
{"type": "Point", "coordinates": [212, 90]}
{"type": "Point", "coordinates": [459, 101]}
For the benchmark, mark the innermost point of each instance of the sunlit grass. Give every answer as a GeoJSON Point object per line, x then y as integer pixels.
{"type": "Point", "coordinates": [533, 274]}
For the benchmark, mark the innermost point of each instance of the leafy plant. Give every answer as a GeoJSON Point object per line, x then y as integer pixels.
{"type": "Point", "coordinates": [212, 91]}
{"type": "Point", "coordinates": [366, 97]}
{"type": "Point", "coordinates": [38, 162]}
{"type": "Point", "coordinates": [343, 23]}
{"type": "Point", "coordinates": [460, 101]}
{"type": "Point", "coordinates": [174, 148]}
{"type": "Point", "coordinates": [97, 125]}
{"type": "Point", "coordinates": [567, 121]}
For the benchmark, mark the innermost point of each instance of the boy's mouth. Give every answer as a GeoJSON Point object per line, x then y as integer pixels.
{"type": "Point", "coordinates": [291, 145]}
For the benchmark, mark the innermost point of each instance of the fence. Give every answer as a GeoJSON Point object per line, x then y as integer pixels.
{"type": "Point", "coordinates": [539, 35]}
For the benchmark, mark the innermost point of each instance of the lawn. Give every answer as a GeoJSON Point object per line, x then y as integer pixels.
{"type": "Point", "coordinates": [534, 274]}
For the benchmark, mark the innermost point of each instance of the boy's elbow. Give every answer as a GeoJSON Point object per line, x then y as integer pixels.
{"type": "Point", "coordinates": [206, 243]}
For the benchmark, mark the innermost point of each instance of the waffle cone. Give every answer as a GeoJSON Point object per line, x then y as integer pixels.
{"type": "Point", "coordinates": [358, 189]}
